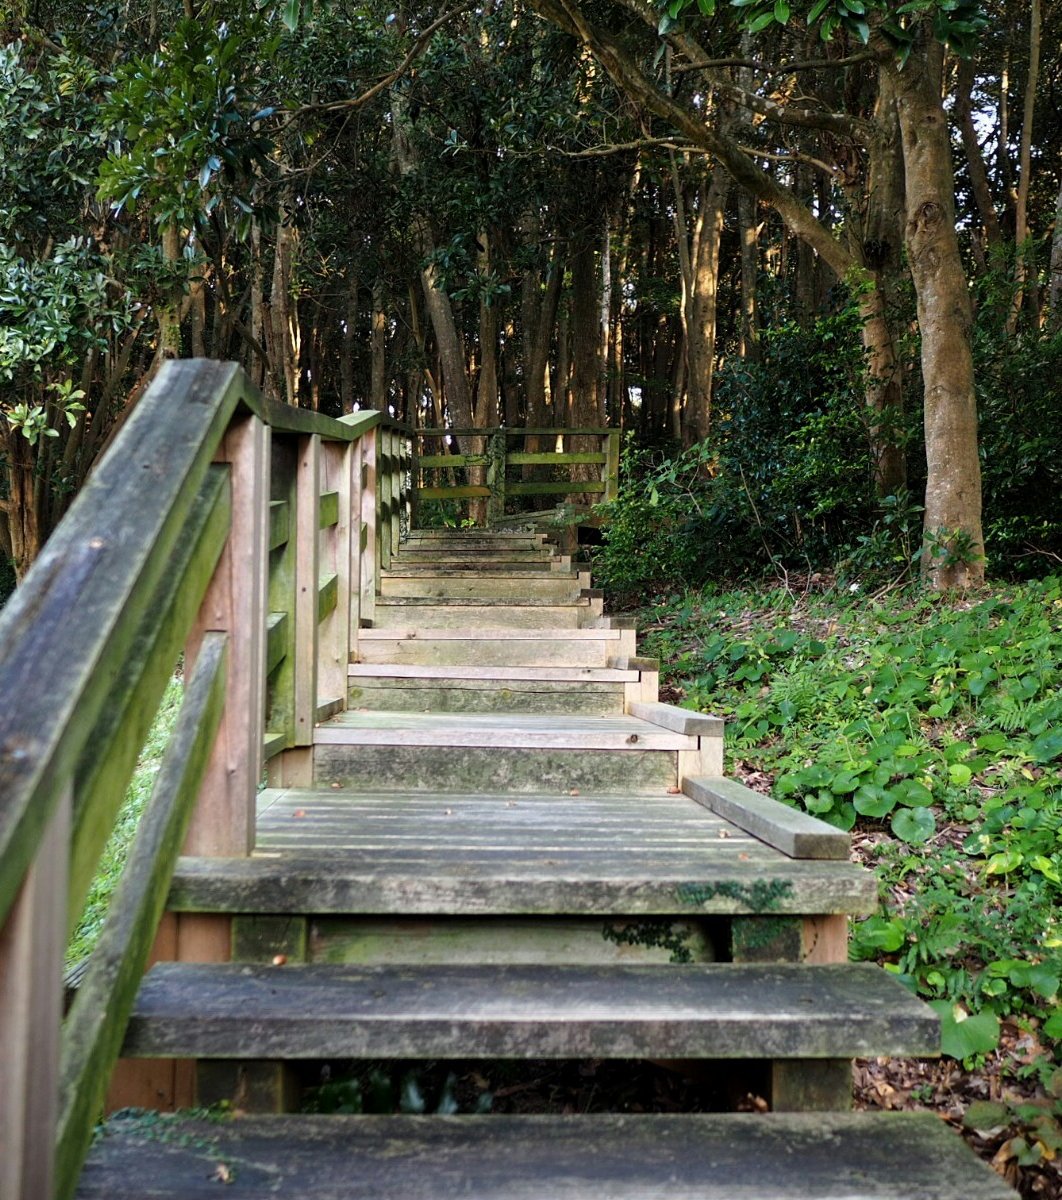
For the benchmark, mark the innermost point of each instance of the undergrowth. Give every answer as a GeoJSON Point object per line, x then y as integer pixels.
{"type": "Point", "coordinates": [109, 869]}
{"type": "Point", "coordinates": [933, 730]}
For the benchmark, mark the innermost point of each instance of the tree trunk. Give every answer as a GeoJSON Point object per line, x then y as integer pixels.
{"type": "Point", "coordinates": [954, 545]}
{"type": "Point", "coordinates": [701, 325]}
{"type": "Point", "coordinates": [749, 336]}
{"type": "Point", "coordinates": [283, 310]}
{"type": "Point", "coordinates": [377, 350]}
{"type": "Point", "coordinates": [975, 161]}
{"type": "Point", "coordinates": [1054, 295]}
{"type": "Point", "coordinates": [1021, 202]}
{"type": "Point", "coordinates": [883, 233]}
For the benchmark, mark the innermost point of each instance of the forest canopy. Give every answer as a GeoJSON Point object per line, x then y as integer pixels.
{"type": "Point", "coordinates": [808, 255]}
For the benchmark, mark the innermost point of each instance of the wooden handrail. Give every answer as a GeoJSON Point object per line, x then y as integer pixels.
{"type": "Point", "coordinates": [221, 524]}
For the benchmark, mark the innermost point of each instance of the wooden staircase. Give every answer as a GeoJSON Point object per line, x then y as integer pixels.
{"type": "Point", "coordinates": [434, 877]}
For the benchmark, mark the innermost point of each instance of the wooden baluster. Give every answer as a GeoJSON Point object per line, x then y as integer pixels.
{"type": "Point", "coordinates": [307, 581]}
{"type": "Point", "coordinates": [32, 941]}
{"type": "Point", "coordinates": [612, 463]}
{"type": "Point", "coordinates": [395, 441]}
{"type": "Point", "coordinates": [337, 460]}
{"type": "Point", "coordinates": [370, 545]}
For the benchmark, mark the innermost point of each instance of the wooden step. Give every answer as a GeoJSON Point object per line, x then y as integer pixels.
{"type": "Point", "coordinates": [485, 537]}
{"type": "Point", "coordinates": [708, 1011]}
{"type": "Point", "coordinates": [598, 1156]}
{"type": "Point", "coordinates": [454, 612]}
{"type": "Point", "coordinates": [434, 852]}
{"type": "Point", "coordinates": [487, 751]}
{"type": "Point", "coordinates": [495, 648]}
{"type": "Point", "coordinates": [403, 694]}
{"type": "Point", "coordinates": [466, 566]}
{"type": "Point", "coordinates": [412, 688]}
{"type": "Point", "coordinates": [552, 588]}
{"type": "Point", "coordinates": [503, 731]}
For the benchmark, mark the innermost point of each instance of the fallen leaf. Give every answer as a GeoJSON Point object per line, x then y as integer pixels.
{"type": "Point", "coordinates": [299, 812]}
{"type": "Point", "coordinates": [279, 960]}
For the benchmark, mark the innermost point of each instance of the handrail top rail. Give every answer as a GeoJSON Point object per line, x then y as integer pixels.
{"type": "Point", "coordinates": [518, 431]}
{"type": "Point", "coordinates": [80, 607]}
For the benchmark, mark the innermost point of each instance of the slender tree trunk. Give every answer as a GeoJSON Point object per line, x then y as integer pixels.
{"type": "Point", "coordinates": [975, 161]}
{"type": "Point", "coordinates": [348, 344]}
{"type": "Point", "coordinates": [283, 311]}
{"type": "Point", "coordinates": [1021, 201]}
{"type": "Point", "coordinates": [954, 543]}
{"type": "Point", "coordinates": [1054, 301]}
{"type": "Point", "coordinates": [881, 251]}
{"type": "Point", "coordinates": [378, 349]}
{"type": "Point", "coordinates": [749, 336]}
{"type": "Point", "coordinates": [701, 327]}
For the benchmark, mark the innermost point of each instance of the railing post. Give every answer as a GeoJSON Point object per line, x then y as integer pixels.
{"type": "Point", "coordinates": [496, 465]}
{"type": "Point", "coordinates": [383, 498]}
{"type": "Point", "coordinates": [396, 468]}
{"type": "Point", "coordinates": [369, 540]}
{"type": "Point", "coordinates": [337, 463]}
{"type": "Point", "coordinates": [612, 462]}
{"type": "Point", "coordinates": [307, 577]}
{"type": "Point", "coordinates": [235, 603]}
{"type": "Point", "coordinates": [31, 998]}
{"type": "Point", "coordinates": [412, 512]}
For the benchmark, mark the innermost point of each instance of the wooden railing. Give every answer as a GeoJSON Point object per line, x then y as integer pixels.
{"type": "Point", "coordinates": [488, 470]}
{"type": "Point", "coordinates": [247, 535]}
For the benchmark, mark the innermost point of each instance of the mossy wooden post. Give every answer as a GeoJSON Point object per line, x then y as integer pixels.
{"type": "Point", "coordinates": [496, 476]}
{"type": "Point", "coordinates": [222, 823]}
{"type": "Point", "coordinates": [612, 462]}
{"type": "Point", "coordinates": [31, 998]}
{"type": "Point", "coordinates": [396, 468]}
{"type": "Point", "coordinates": [281, 648]}
{"type": "Point", "coordinates": [413, 468]}
{"type": "Point", "coordinates": [307, 583]}
{"type": "Point", "coordinates": [337, 460]}
{"type": "Point", "coordinates": [383, 499]}
{"type": "Point", "coordinates": [370, 444]}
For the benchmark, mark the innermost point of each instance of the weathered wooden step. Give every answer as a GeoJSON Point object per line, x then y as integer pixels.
{"type": "Point", "coordinates": [447, 613]}
{"type": "Point", "coordinates": [703, 1010]}
{"type": "Point", "coordinates": [398, 693]}
{"type": "Point", "coordinates": [597, 1156]}
{"type": "Point", "coordinates": [495, 648]}
{"type": "Point", "coordinates": [488, 560]}
{"type": "Point", "coordinates": [320, 851]}
{"type": "Point", "coordinates": [467, 566]}
{"type": "Point", "coordinates": [547, 587]}
{"type": "Point", "coordinates": [412, 688]}
{"type": "Point", "coordinates": [504, 731]}
{"type": "Point", "coordinates": [496, 541]}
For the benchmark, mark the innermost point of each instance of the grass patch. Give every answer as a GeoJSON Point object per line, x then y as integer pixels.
{"type": "Point", "coordinates": [115, 852]}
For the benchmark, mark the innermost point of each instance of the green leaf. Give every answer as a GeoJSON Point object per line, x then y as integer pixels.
{"type": "Point", "coordinates": [913, 825]}
{"type": "Point", "coordinates": [761, 22]}
{"type": "Point", "coordinates": [963, 1034]}
{"type": "Point", "coordinates": [781, 11]}
{"type": "Point", "coordinates": [960, 774]}
{"type": "Point", "coordinates": [817, 9]}
{"type": "Point", "coordinates": [1053, 1025]}
{"type": "Point", "coordinates": [913, 794]}
{"type": "Point", "coordinates": [873, 801]}
{"type": "Point", "coordinates": [1004, 862]}
{"type": "Point", "coordinates": [1047, 746]}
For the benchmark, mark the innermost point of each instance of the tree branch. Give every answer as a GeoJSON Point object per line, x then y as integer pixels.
{"type": "Point", "coordinates": [392, 77]}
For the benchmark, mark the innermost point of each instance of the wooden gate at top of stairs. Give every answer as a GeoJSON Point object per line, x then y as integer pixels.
{"type": "Point", "coordinates": [483, 838]}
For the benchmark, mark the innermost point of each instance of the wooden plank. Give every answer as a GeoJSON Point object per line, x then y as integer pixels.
{"type": "Point", "coordinates": [467, 491]}
{"type": "Point", "coordinates": [705, 1010]}
{"type": "Point", "coordinates": [235, 603]}
{"type": "Point", "coordinates": [273, 743]}
{"type": "Point", "coordinates": [556, 489]}
{"type": "Point", "coordinates": [503, 730]}
{"type": "Point", "coordinates": [307, 582]}
{"type": "Point", "coordinates": [81, 606]}
{"type": "Point", "coordinates": [276, 639]}
{"type": "Point", "coordinates": [547, 459]}
{"type": "Point", "coordinates": [612, 466]}
{"type": "Point", "coordinates": [476, 768]}
{"type": "Point", "coordinates": [32, 938]}
{"type": "Point", "coordinates": [794, 833]}
{"type": "Point", "coordinates": [574, 674]}
{"type": "Point", "coordinates": [328, 509]}
{"type": "Point", "coordinates": [681, 720]}
{"type": "Point", "coordinates": [93, 1032]}
{"type": "Point", "coordinates": [370, 565]}
{"type": "Point", "coordinates": [590, 1156]}
{"type": "Point", "coordinates": [453, 460]}
{"type": "Point", "coordinates": [138, 684]}
{"type": "Point", "coordinates": [515, 635]}
{"type": "Point", "coordinates": [327, 595]}
{"type": "Point", "coordinates": [279, 515]}
{"type": "Point", "coordinates": [287, 418]}
{"type": "Point", "coordinates": [621, 882]}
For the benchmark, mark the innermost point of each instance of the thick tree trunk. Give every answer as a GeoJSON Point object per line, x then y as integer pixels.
{"type": "Point", "coordinates": [954, 544]}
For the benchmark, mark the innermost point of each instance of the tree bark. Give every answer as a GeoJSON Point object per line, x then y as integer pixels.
{"type": "Point", "coordinates": [953, 549]}
{"type": "Point", "coordinates": [1021, 202]}
{"type": "Point", "coordinates": [975, 161]}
